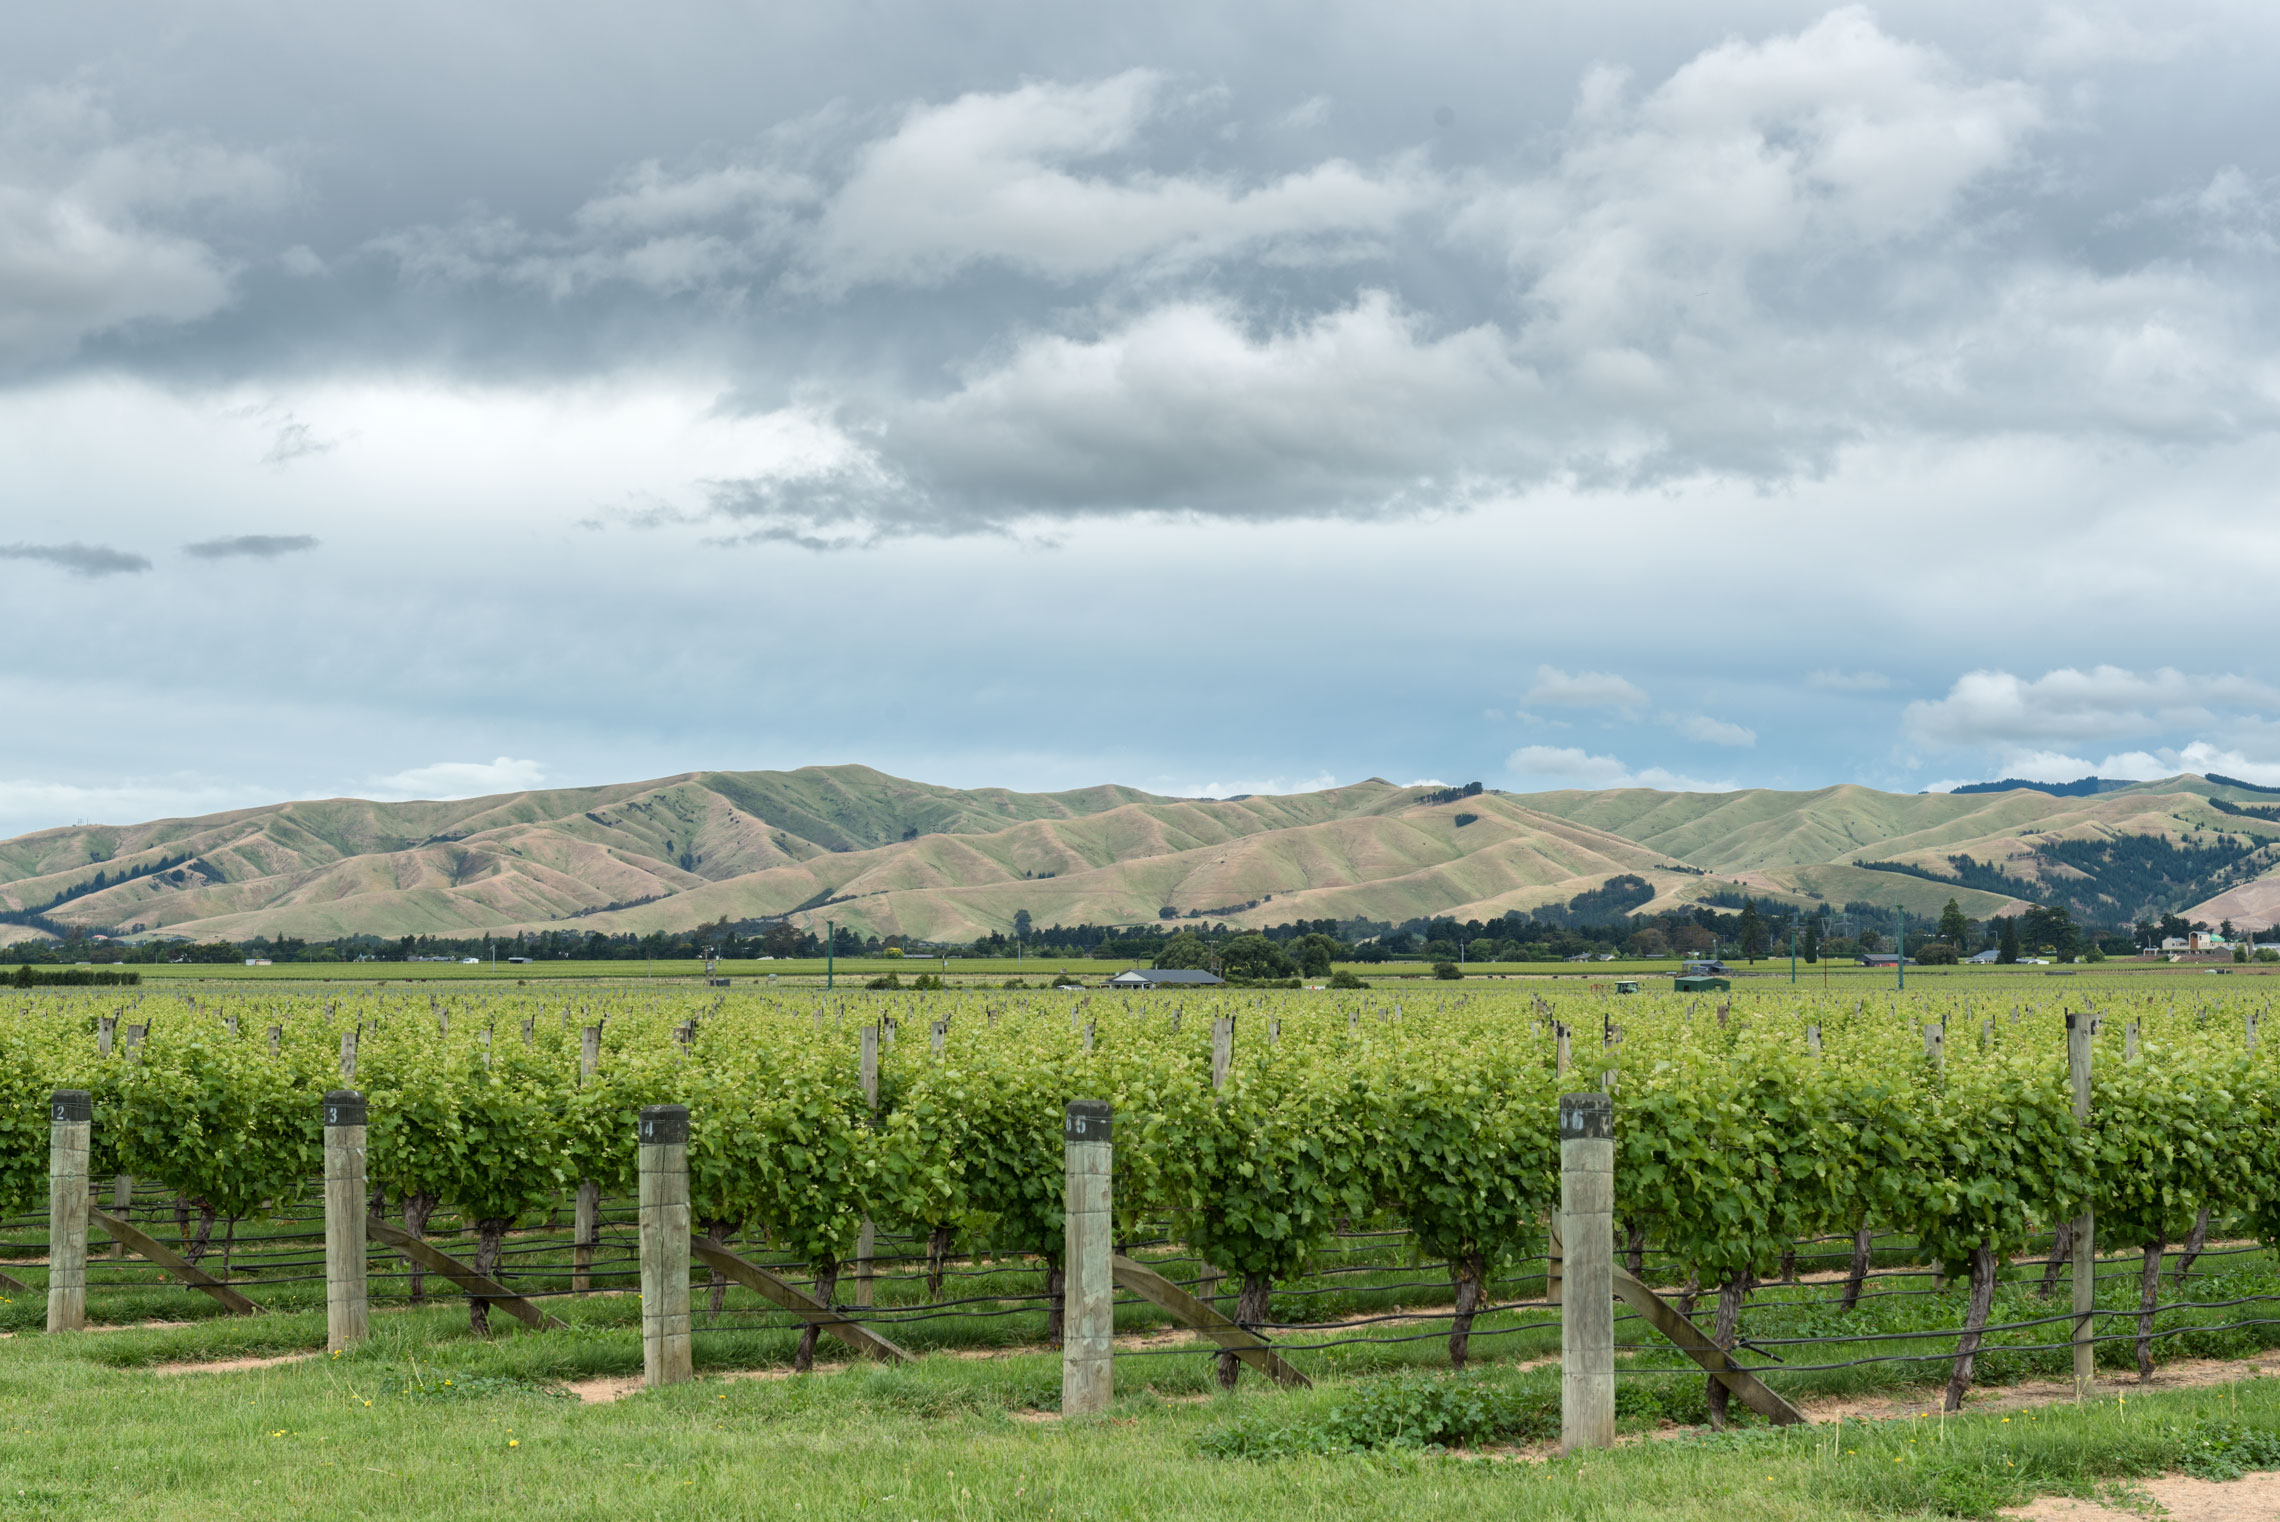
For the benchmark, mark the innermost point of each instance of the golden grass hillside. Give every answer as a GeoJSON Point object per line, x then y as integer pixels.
{"type": "Point", "coordinates": [884, 855]}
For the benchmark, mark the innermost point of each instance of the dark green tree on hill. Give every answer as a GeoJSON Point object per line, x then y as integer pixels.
{"type": "Point", "coordinates": [2007, 940]}
{"type": "Point", "coordinates": [1752, 930]}
{"type": "Point", "coordinates": [1954, 928]}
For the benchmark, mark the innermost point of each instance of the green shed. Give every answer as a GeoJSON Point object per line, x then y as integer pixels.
{"type": "Point", "coordinates": [1700, 985]}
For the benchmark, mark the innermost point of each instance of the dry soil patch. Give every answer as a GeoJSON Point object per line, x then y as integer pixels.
{"type": "Point", "coordinates": [2251, 1498]}
{"type": "Point", "coordinates": [230, 1365]}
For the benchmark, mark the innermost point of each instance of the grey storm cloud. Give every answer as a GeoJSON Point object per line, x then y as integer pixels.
{"type": "Point", "coordinates": [1045, 288]}
{"type": "Point", "coordinates": [88, 560]}
{"type": "Point", "coordinates": [253, 546]}
{"type": "Point", "coordinates": [1890, 386]}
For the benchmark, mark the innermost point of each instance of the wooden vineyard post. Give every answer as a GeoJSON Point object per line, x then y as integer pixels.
{"type": "Point", "coordinates": [1813, 1039]}
{"type": "Point", "coordinates": [938, 1036]}
{"type": "Point", "coordinates": [1935, 1045]}
{"type": "Point", "coordinates": [2085, 1224]}
{"type": "Point", "coordinates": [1222, 1059]}
{"type": "Point", "coordinates": [123, 1188]}
{"type": "Point", "coordinates": [1088, 1327]}
{"type": "Point", "coordinates": [348, 1056]}
{"type": "Point", "coordinates": [1587, 1272]}
{"type": "Point", "coordinates": [664, 1138]}
{"type": "Point", "coordinates": [586, 1214]}
{"type": "Point", "coordinates": [347, 1311]}
{"type": "Point", "coordinates": [1565, 1055]}
{"type": "Point", "coordinates": [71, 1117]}
{"type": "Point", "coordinates": [867, 1241]}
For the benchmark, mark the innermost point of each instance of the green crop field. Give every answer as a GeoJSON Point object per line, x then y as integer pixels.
{"type": "Point", "coordinates": [1860, 1177]}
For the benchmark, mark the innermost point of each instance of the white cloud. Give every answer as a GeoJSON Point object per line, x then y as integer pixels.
{"type": "Point", "coordinates": [2015, 717]}
{"type": "Point", "coordinates": [1263, 787]}
{"type": "Point", "coordinates": [2204, 758]}
{"type": "Point", "coordinates": [1650, 225]}
{"type": "Point", "coordinates": [1572, 766]}
{"type": "Point", "coordinates": [1831, 680]}
{"type": "Point", "coordinates": [1185, 406]}
{"type": "Point", "coordinates": [1585, 689]}
{"type": "Point", "coordinates": [461, 779]}
{"type": "Point", "coordinates": [1711, 731]}
{"type": "Point", "coordinates": [28, 803]}
{"type": "Point", "coordinates": [85, 248]}
{"type": "Point", "coordinates": [990, 179]}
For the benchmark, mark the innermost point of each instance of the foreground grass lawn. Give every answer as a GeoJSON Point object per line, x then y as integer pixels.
{"type": "Point", "coordinates": [426, 1422]}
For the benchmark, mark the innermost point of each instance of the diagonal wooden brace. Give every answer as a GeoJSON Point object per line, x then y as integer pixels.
{"type": "Point", "coordinates": [792, 1298]}
{"type": "Point", "coordinates": [180, 1267]}
{"type": "Point", "coordinates": [1691, 1340]}
{"type": "Point", "coordinates": [1187, 1310]}
{"type": "Point", "coordinates": [1696, 1344]}
{"type": "Point", "coordinates": [476, 1286]}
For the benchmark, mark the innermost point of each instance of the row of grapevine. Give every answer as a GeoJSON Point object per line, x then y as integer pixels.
{"type": "Point", "coordinates": [1736, 1137]}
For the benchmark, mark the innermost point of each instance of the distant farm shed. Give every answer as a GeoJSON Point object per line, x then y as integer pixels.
{"type": "Point", "coordinates": [1165, 977]}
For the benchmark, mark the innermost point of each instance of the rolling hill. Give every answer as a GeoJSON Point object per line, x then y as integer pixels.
{"type": "Point", "coordinates": [884, 855]}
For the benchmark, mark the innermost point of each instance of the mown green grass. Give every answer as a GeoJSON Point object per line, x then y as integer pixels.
{"type": "Point", "coordinates": [425, 1422]}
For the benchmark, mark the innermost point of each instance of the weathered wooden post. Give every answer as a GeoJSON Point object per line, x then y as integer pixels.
{"type": "Point", "coordinates": [123, 1187]}
{"type": "Point", "coordinates": [1935, 1045]}
{"type": "Point", "coordinates": [1088, 1327]}
{"type": "Point", "coordinates": [2078, 1032]}
{"type": "Point", "coordinates": [71, 1117]}
{"type": "Point", "coordinates": [348, 1056]}
{"type": "Point", "coordinates": [1560, 1042]}
{"type": "Point", "coordinates": [1587, 1272]}
{"type": "Point", "coordinates": [1813, 1039]}
{"type": "Point", "coordinates": [1222, 1059]}
{"type": "Point", "coordinates": [938, 1037]}
{"type": "Point", "coordinates": [586, 1213]}
{"type": "Point", "coordinates": [664, 1138]}
{"type": "Point", "coordinates": [867, 1241]}
{"type": "Point", "coordinates": [347, 1311]}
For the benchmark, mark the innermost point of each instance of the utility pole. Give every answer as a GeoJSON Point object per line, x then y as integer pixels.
{"type": "Point", "coordinates": [830, 944]}
{"type": "Point", "coordinates": [1792, 946]}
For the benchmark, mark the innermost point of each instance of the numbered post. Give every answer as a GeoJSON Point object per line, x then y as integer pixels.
{"type": "Point", "coordinates": [2078, 1033]}
{"type": "Point", "coordinates": [71, 1117]}
{"type": "Point", "coordinates": [1587, 1272]}
{"type": "Point", "coordinates": [1088, 1328]}
{"type": "Point", "coordinates": [347, 1309]}
{"type": "Point", "coordinates": [664, 1138]}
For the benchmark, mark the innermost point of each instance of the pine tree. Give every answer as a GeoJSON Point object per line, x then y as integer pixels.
{"type": "Point", "coordinates": [1753, 930]}
{"type": "Point", "coordinates": [1954, 928]}
{"type": "Point", "coordinates": [2007, 947]}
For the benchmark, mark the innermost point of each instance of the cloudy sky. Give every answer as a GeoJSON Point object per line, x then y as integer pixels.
{"type": "Point", "coordinates": [450, 400]}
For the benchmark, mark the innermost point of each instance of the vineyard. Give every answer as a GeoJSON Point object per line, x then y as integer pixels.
{"type": "Point", "coordinates": [1848, 1191]}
